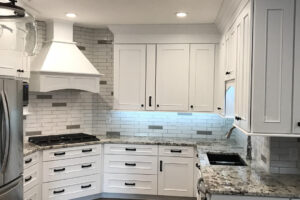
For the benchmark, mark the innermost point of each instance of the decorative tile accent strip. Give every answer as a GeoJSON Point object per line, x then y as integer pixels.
{"type": "Point", "coordinates": [32, 133]}
{"type": "Point", "coordinates": [185, 114]}
{"type": "Point", "coordinates": [43, 96]}
{"type": "Point", "coordinates": [113, 134]}
{"type": "Point", "coordinates": [73, 126]}
{"type": "Point", "coordinates": [103, 82]}
{"type": "Point", "coordinates": [59, 104]}
{"type": "Point", "coordinates": [105, 41]}
{"type": "Point", "coordinates": [263, 158]}
{"type": "Point", "coordinates": [204, 132]}
{"type": "Point", "coordinates": [82, 48]}
{"type": "Point", "coordinates": [155, 127]}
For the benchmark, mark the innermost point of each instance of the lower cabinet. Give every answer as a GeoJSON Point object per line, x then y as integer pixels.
{"type": "Point", "coordinates": [175, 177]}
{"type": "Point", "coordinates": [33, 193]}
{"type": "Point", "coordinates": [235, 197]}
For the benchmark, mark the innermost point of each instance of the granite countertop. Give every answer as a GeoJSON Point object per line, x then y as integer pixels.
{"type": "Point", "coordinates": [248, 180]}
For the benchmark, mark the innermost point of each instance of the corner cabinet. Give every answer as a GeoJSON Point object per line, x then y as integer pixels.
{"type": "Point", "coordinates": [129, 77]}
{"type": "Point", "coordinates": [164, 77]}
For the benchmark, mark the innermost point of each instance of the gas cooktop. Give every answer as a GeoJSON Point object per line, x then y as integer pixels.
{"type": "Point", "coordinates": [62, 139]}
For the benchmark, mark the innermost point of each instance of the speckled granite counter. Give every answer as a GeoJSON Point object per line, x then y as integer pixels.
{"type": "Point", "coordinates": [249, 180]}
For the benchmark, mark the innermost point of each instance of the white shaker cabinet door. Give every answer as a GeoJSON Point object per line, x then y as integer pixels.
{"type": "Point", "coordinates": [172, 77]}
{"type": "Point", "coordinates": [129, 77]}
{"type": "Point", "coordinates": [272, 66]}
{"type": "Point", "coordinates": [296, 122]}
{"type": "Point", "coordinates": [202, 68]}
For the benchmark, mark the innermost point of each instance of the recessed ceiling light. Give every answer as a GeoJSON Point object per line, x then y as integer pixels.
{"type": "Point", "coordinates": [181, 14]}
{"type": "Point", "coordinates": [71, 15]}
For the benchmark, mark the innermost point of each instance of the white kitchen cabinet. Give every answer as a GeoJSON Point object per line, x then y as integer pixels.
{"type": "Point", "coordinates": [129, 77]}
{"type": "Point", "coordinates": [272, 66]}
{"type": "Point", "coordinates": [175, 177]}
{"type": "Point", "coordinates": [172, 77]}
{"type": "Point", "coordinates": [243, 69]}
{"type": "Point", "coordinates": [150, 77]}
{"type": "Point", "coordinates": [296, 114]}
{"type": "Point", "coordinates": [130, 149]}
{"type": "Point", "coordinates": [176, 151]}
{"type": "Point", "coordinates": [219, 89]}
{"type": "Point", "coordinates": [33, 193]}
{"type": "Point", "coordinates": [230, 67]}
{"type": "Point", "coordinates": [202, 68]}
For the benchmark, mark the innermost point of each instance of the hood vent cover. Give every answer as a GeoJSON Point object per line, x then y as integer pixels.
{"type": "Point", "coordinates": [61, 65]}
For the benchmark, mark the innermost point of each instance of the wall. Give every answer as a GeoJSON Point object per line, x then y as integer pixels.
{"type": "Point", "coordinates": [71, 111]}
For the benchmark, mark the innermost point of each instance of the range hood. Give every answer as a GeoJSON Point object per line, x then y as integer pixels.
{"type": "Point", "coordinates": [61, 65]}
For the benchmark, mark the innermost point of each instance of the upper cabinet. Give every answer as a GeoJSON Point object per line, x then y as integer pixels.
{"type": "Point", "coordinates": [129, 77]}
{"type": "Point", "coordinates": [202, 62]}
{"type": "Point", "coordinates": [172, 77]}
{"type": "Point", "coordinates": [164, 77]}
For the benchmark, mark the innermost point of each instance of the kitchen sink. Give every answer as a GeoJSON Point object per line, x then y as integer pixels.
{"type": "Point", "coordinates": [231, 159]}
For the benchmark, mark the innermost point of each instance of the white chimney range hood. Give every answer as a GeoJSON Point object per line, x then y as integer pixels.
{"type": "Point", "coordinates": [61, 65]}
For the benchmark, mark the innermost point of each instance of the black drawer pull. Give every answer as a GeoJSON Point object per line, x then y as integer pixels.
{"type": "Point", "coordinates": [176, 150]}
{"type": "Point", "coordinates": [150, 101]}
{"type": "Point", "coordinates": [28, 179]}
{"type": "Point", "coordinates": [86, 166]}
{"type": "Point", "coordinates": [161, 165]}
{"type": "Point", "coordinates": [219, 108]}
{"type": "Point", "coordinates": [28, 161]}
{"type": "Point", "coordinates": [58, 191]}
{"type": "Point", "coordinates": [59, 170]}
{"type": "Point", "coordinates": [227, 73]}
{"type": "Point", "coordinates": [130, 149]}
{"type": "Point", "coordinates": [86, 150]}
{"type": "Point", "coordinates": [130, 164]}
{"type": "Point", "coordinates": [298, 123]}
{"type": "Point", "coordinates": [130, 184]}
{"type": "Point", "coordinates": [59, 153]}
{"type": "Point", "coordinates": [238, 118]}
{"type": "Point", "coordinates": [86, 186]}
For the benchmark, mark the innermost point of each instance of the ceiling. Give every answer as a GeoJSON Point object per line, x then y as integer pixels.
{"type": "Point", "coordinates": [105, 12]}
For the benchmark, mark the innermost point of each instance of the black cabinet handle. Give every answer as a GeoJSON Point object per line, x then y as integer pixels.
{"type": "Point", "coordinates": [161, 165]}
{"type": "Point", "coordinates": [130, 184]}
{"type": "Point", "coordinates": [58, 191]}
{"type": "Point", "coordinates": [142, 105]}
{"type": "Point", "coordinates": [157, 105]}
{"type": "Point", "coordinates": [86, 186]}
{"type": "Point", "coordinates": [198, 166]}
{"type": "Point", "coordinates": [150, 101]}
{"type": "Point", "coordinates": [238, 118]}
{"type": "Point", "coordinates": [176, 151]}
{"type": "Point", "coordinates": [130, 164]}
{"type": "Point", "coordinates": [86, 150]}
{"type": "Point", "coordinates": [20, 70]}
{"type": "Point", "coordinates": [59, 170]}
{"type": "Point", "coordinates": [59, 153]}
{"type": "Point", "coordinates": [28, 161]}
{"type": "Point", "coordinates": [130, 149]}
{"type": "Point", "coordinates": [219, 108]}
{"type": "Point", "coordinates": [298, 123]}
{"type": "Point", "coordinates": [86, 166]}
{"type": "Point", "coordinates": [192, 106]}
{"type": "Point", "coordinates": [227, 73]}
{"type": "Point", "coordinates": [28, 179]}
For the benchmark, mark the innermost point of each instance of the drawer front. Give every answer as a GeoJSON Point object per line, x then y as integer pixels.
{"type": "Point", "coordinates": [130, 164]}
{"type": "Point", "coordinates": [31, 160]}
{"type": "Point", "coordinates": [130, 149]}
{"type": "Point", "coordinates": [176, 151]}
{"type": "Point", "coordinates": [130, 183]}
{"type": "Point", "coordinates": [63, 169]}
{"type": "Point", "coordinates": [33, 194]}
{"type": "Point", "coordinates": [72, 152]}
{"type": "Point", "coordinates": [31, 177]}
{"type": "Point", "coordinates": [71, 188]}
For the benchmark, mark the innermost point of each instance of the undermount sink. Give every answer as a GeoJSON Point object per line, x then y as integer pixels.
{"type": "Point", "coordinates": [230, 159]}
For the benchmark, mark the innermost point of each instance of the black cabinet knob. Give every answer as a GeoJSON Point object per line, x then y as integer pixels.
{"type": "Point", "coordinates": [237, 118]}
{"type": "Point", "coordinates": [157, 105]}
{"type": "Point", "coordinates": [227, 73]}
{"type": "Point", "coordinates": [299, 124]}
{"type": "Point", "coordinates": [219, 108]}
{"type": "Point", "coordinates": [20, 70]}
{"type": "Point", "coordinates": [192, 106]}
{"type": "Point", "coordinates": [142, 105]}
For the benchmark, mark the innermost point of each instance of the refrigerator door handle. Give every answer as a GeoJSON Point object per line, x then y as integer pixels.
{"type": "Point", "coordinates": [7, 131]}
{"type": "Point", "coordinates": [10, 186]}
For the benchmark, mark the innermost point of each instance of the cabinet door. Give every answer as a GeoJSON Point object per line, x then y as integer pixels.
{"type": "Point", "coordinates": [150, 77]}
{"type": "Point", "coordinates": [231, 54]}
{"type": "Point", "coordinates": [175, 177]}
{"type": "Point", "coordinates": [243, 75]}
{"type": "Point", "coordinates": [129, 77]}
{"type": "Point", "coordinates": [272, 66]}
{"type": "Point", "coordinates": [296, 124]}
{"type": "Point", "coordinates": [202, 68]}
{"type": "Point", "coordinates": [172, 77]}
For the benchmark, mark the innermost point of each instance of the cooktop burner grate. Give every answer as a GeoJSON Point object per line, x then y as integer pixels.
{"type": "Point", "coordinates": [62, 139]}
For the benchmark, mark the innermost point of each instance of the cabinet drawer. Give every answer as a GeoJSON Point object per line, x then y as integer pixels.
{"type": "Point", "coordinates": [72, 152]}
{"type": "Point", "coordinates": [31, 177]}
{"type": "Point", "coordinates": [130, 164]}
{"type": "Point", "coordinates": [130, 149]}
{"type": "Point", "coordinates": [176, 151]}
{"type": "Point", "coordinates": [33, 194]}
{"type": "Point", "coordinates": [63, 169]}
{"type": "Point", "coordinates": [31, 160]}
{"type": "Point", "coordinates": [130, 183]}
{"type": "Point", "coordinates": [72, 188]}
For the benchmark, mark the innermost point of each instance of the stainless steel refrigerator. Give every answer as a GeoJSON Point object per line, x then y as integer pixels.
{"type": "Point", "coordinates": [11, 139]}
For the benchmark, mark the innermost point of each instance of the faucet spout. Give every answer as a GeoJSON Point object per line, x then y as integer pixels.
{"type": "Point", "coordinates": [228, 134]}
